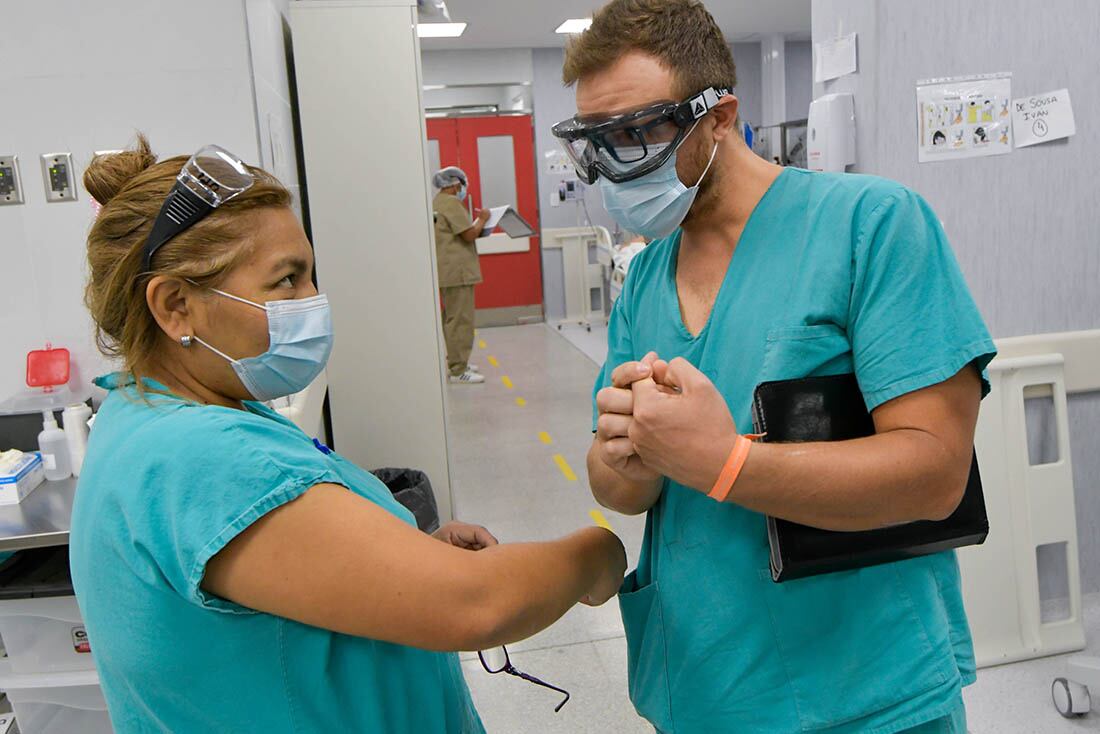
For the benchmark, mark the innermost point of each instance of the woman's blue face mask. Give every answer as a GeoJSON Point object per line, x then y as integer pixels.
{"type": "Point", "coordinates": [299, 344]}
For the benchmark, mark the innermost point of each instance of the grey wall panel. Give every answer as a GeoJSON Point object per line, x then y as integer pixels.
{"type": "Point", "coordinates": [1025, 226]}
{"type": "Point", "coordinates": [800, 78]}
{"type": "Point", "coordinates": [746, 57]}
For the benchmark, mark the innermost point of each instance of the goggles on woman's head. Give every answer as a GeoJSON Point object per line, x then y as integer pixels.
{"type": "Point", "coordinates": [631, 144]}
{"type": "Point", "coordinates": [210, 178]}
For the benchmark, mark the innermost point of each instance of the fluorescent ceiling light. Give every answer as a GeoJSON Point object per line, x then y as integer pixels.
{"type": "Point", "coordinates": [574, 25]}
{"type": "Point", "coordinates": [440, 30]}
{"type": "Point", "coordinates": [431, 87]}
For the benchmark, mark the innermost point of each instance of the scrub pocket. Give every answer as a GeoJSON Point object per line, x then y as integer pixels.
{"type": "Point", "coordinates": [853, 644]}
{"type": "Point", "coordinates": [806, 351]}
{"type": "Point", "coordinates": [645, 651]}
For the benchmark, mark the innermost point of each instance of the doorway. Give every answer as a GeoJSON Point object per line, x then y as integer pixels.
{"type": "Point", "coordinates": [497, 154]}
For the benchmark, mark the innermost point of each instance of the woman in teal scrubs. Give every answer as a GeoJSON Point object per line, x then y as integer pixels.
{"type": "Point", "coordinates": [234, 576]}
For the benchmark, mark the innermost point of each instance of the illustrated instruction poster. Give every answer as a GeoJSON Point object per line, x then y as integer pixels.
{"type": "Point", "coordinates": [964, 117]}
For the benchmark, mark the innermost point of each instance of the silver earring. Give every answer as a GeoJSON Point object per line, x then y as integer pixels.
{"type": "Point", "coordinates": [185, 341]}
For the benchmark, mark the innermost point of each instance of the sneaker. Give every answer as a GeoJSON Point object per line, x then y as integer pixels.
{"type": "Point", "coordinates": [467, 378]}
{"type": "Point", "coordinates": [473, 368]}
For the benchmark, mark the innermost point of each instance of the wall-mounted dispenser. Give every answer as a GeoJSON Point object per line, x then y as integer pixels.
{"type": "Point", "coordinates": [831, 133]}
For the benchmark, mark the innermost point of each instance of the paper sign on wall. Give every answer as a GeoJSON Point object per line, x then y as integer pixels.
{"type": "Point", "coordinates": [1042, 118]}
{"type": "Point", "coordinates": [964, 117]}
{"type": "Point", "coordinates": [834, 58]}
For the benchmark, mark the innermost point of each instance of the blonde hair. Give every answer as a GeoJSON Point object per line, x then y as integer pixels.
{"type": "Point", "coordinates": [681, 34]}
{"type": "Point", "coordinates": [131, 187]}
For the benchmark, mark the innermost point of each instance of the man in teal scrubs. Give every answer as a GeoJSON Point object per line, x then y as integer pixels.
{"type": "Point", "coordinates": [759, 273]}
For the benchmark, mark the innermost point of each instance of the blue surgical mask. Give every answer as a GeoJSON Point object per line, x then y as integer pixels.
{"type": "Point", "coordinates": [300, 341]}
{"type": "Point", "coordinates": [461, 193]}
{"type": "Point", "coordinates": [655, 204]}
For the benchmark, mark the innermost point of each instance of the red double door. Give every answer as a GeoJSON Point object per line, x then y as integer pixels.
{"type": "Point", "coordinates": [497, 154]}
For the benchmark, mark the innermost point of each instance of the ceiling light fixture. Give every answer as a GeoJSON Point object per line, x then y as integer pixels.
{"type": "Point", "coordinates": [574, 25]}
{"type": "Point", "coordinates": [440, 30]}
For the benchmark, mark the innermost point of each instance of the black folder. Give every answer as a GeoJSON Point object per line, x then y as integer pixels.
{"type": "Point", "coordinates": [832, 409]}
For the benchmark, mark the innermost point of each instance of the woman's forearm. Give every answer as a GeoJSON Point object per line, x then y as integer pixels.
{"type": "Point", "coordinates": [529, 586]}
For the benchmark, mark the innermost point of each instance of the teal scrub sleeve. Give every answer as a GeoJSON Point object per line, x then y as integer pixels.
{"type": "Point", "coordinates": [230, 469]}
{"type": "Point", "coordinates": [912, 321]}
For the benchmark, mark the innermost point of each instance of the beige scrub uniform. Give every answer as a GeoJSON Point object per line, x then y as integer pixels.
{"type": "Point", "coordinates": [459, 272]}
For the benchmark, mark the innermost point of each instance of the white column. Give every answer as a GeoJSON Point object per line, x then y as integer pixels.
{"type": "Point", "coordinates": [372, 227]}
{"type": "Point", "coordinates": [773, 79]}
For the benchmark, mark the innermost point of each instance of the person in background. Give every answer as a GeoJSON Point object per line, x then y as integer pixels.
{"type": "Point", "coordinates": [233, 575]}
{"type": "Point", "coordinates": [761, 273]}
{"type": "Point", "coordinates": [456, 236]}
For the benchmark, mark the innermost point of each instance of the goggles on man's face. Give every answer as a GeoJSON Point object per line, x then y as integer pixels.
{"type": "Point", "coordinates": [631, 144]}
{"type": "Point", "coordinates": [210, 178]}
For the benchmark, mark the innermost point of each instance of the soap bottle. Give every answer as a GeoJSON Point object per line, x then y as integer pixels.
{"type": "Point", "coordinates": [54, 448]}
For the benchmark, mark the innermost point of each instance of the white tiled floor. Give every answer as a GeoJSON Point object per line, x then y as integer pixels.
{"type": "Point", "coordinates": [505, 478]}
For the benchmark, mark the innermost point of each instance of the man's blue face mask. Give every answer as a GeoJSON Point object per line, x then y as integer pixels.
{"type": "Point", "coordinates": [655, 204]}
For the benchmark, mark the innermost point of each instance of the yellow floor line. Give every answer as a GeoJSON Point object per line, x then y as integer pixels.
{"type": "Point", "coordinates": [565, 468]}
{"type": "Point", "coordinates": [507, 381]}
{"type": "Point", "coordinates": [599, 519]}
{"type": "Point", "coordinates": [493, 361]}
{"type": "Point", "coordinates": [481, 343]}
{"type": "Point", "coordinates": [545, 438]}
{"type": "Point", "coordinates": [521, 402]}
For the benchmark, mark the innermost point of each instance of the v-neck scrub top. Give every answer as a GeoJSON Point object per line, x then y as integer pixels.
{"type": "Point", "coordinates": [834, 273]}
{"type": "Point", "coordinates": [166, 485]}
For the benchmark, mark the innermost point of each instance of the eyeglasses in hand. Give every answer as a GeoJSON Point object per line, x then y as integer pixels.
{"type": "Point", "coordinates": [495, 660]}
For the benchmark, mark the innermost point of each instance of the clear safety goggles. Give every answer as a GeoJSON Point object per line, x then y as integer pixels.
{"type": "Point", "coordinates": [629, 145]}
{"type": "Point", "coordinates": [210, 178]}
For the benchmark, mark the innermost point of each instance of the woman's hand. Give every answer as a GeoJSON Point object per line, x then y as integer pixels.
{"type": "Point", "coordinates": [465, 535]}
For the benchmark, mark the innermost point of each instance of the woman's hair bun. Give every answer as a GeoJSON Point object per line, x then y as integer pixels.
{"type": "Point", "coordinates": [107, 174]}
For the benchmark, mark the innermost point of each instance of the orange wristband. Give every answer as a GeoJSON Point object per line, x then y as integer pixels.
{"type": "Point", "coordinates": [734, 464]}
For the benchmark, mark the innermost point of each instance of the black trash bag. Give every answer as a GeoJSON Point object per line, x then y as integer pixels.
{"type": "Point", "coordinates": [412, 489]}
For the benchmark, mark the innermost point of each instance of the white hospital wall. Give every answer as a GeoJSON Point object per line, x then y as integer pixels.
{"type": "Point", "coordinates": [82, 77]}
{"type": "Point", "coordinates": [1025, 226]}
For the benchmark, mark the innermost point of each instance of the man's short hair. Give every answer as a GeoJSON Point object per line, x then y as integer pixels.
{"type": "Point", "coordinates": [681, 34]}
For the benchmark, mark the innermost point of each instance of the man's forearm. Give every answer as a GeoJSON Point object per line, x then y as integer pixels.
{"type": "Point", "coordinates": [894, 477]}
{"type": "Point", "coordinates": [618, 493]}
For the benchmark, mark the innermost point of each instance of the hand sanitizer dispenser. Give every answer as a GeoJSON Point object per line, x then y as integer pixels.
{"type": "Point", "coordinates": [831, 133]}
